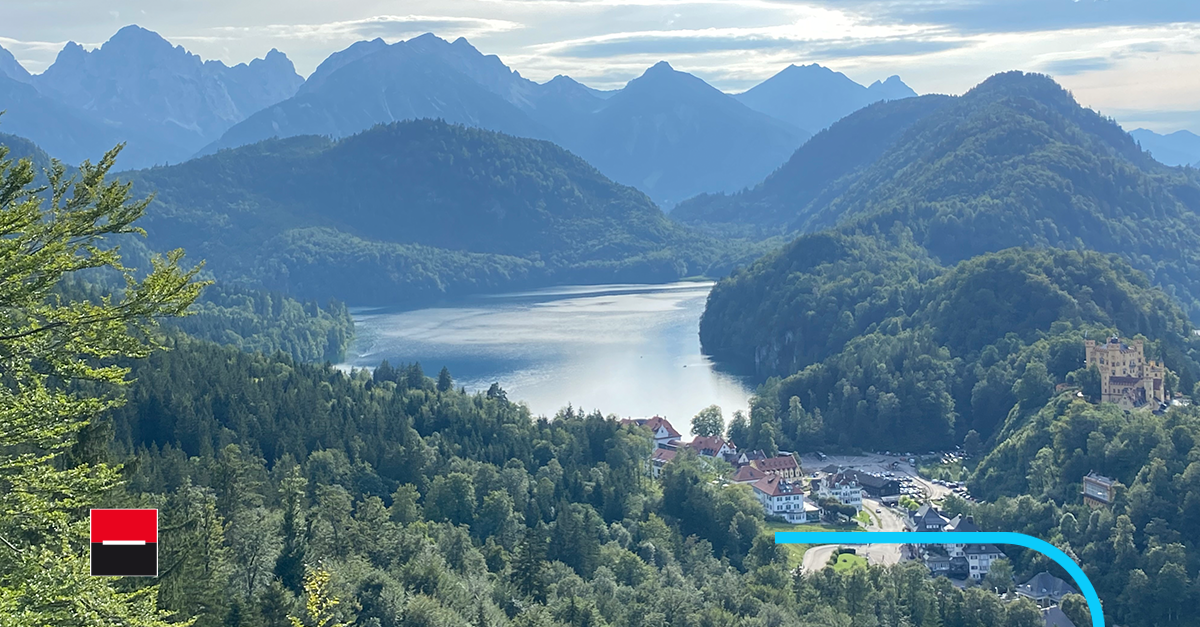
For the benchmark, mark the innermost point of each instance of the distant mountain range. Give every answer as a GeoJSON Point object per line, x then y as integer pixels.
{"type": "Point", "coordinates": [1014, 162]}
{"type": "Point", "coordinates": [415, 211]}
{"type": "Point", "coordinates": [667, 133]}
{"type": "Point", "coordinates": [813, 97]}
{"type": "Point", "coordinates": [165, 102]}
{"type": "Point", "coordinates": [1178, 148]}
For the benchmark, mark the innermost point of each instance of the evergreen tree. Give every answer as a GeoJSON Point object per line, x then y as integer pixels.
{"type": "Point", "coordinates": [528, 569]}
{"type": "Point", "coordinates": [46, 340]}
{"type": "Point", "coordinates": [445, 382]}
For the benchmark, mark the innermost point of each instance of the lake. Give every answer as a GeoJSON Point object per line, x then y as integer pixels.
{"type": "Point", "coordinates": [630, 350]}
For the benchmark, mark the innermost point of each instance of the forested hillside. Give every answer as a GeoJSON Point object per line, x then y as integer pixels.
{"type": "Point", "coordinates": [1013, 162]}
{"type": "Point", "coordinates": [1141, 553]}
{"type": "Point", "coordinates": [878, 346]}
{"type": "Point", "coordinates": [430, 506]}
{"type": "Point", "coordinates": [415, 211]}
{"type": "Point", "coordinates": [816, 173]}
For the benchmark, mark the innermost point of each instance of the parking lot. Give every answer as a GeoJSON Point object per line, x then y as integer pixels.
{"type": "Point", "coordinates": [897, 465]}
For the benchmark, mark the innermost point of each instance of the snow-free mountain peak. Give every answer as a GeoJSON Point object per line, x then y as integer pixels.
{"type": "Point", "coordinates": [10, 67]}
{"type": "Point", "coordinates": [813, 96]}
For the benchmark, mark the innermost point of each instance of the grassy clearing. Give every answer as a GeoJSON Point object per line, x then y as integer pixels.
{"type": "Point", "coordinates": [847, 562]}
{"type": "Point", "coordinates": [796, 551]}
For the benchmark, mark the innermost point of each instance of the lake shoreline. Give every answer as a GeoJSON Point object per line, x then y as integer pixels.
{"type": "Point", "coordinates": [627, 349]}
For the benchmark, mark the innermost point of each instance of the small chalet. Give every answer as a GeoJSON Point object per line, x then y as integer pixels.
{"type": "Point", "coordinates": [1045, 589]}
{"type": "Point", "coordinates": [882, 489]}
{"type": "Point", "coordinates": [747, 457]}
{"type": "Point", "coordinates": [1098, 491]}
{"type": "Point", "coordinates": [711, 446]}
{"type": "Point", "coordinates": [660, 429]}
{"type": "Point", "coordinates": [927, 518]}
{"type": "Point", "coordinates": [748, 474]}
{"type": "Point", "coordinates": [659, 458]}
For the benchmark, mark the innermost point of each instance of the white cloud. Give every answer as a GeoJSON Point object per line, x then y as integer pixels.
{"type": "Point", "coordinates": [935, 45]}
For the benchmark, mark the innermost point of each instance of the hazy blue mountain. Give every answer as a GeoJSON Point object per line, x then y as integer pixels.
{"type": "Point", "coordinates": [816, 173]}
{"type": "Point", "coordinates": [812, 97]}
{"type": "Point", "coordinates": [165, 101]}
{"type": "Point", "coordinates": [410, 211]}
{"type": "Point", "coordinates": [487, 70]}
{"type": "Point", "coordinates": [67, 133]}
{"type": "Point", "coordinates": [340, 59]}
{"type": "Point", "coordinates": [1178, 148]}
{"type": "Point", "coordinates": [667, 133]}
{"type": "Point", "coordinates": [891, 89]}
{"type": "Point", "coordinates": [404, 81]}
{"type": "Point", "coordinates": [672, 135]}
{"type": "Point", "coordinates": [10, 67]}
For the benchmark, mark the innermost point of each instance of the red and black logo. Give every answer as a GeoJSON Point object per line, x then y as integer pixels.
{"type": "Point", "coordinates": [125, 542]}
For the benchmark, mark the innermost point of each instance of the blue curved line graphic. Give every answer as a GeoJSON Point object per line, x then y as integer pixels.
{"type": "Point", "coordinates": [956, 537]}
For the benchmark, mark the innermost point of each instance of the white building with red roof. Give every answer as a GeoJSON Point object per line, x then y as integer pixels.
{"type": "Point", "coordinates": [785, 499]}
{"type": "Point", "coordinates": [711, 446]}
{"type": "Point", "coordinates": [660, 429]}
{"type": "Point", "coordinates": [783, 465]}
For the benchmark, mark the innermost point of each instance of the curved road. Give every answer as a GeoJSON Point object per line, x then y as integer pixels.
{"type": "Point", "coordinates": [817, 557]}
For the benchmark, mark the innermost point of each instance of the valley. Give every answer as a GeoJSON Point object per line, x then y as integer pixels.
{"type": "Point", "coordinates": [418, 341]}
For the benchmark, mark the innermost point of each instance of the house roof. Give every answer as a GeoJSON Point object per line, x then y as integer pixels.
{"type": "Point", "coordinates": [869, 480]}
{"type": "Point", "coordinates": [981, 549]}
{"type": "Point", "coordinates": [653, 424]}
{"type": "Point", "coordinates": [1044, 585]}
{"type": "Point", "coordinates": [1119, 380]}
{"type": "Point", "coordinates": [776, 464]}
{"type": "Point", "coordinates": [961, 523]}
{"type": "Point", "coordinates": [1100, 479]}
{"type": "Point", "coordinates": [773, 485]}
{"type": "Point", "coordinates": [1055, 617]}
{"type": "Point", "coordinates": [927, 514]}
{"type": "Point", "coordinates": [754, 455]}
{"type": "Point", "coordinates": [663, 454]}
{"type": "Point", "coordinates": [747, 474]}
{"type": "Point", "coordinates": [710, 443]}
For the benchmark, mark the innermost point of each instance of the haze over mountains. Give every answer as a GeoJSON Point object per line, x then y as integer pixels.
{"type": "Point", "coordinates": [165, 102]}
{"type": "Point", "coordinates": [415, 211]}
{"type": "Point", "coordinates": [668, 133]}
{"type": "Point", "coordinates": [1178, 148]}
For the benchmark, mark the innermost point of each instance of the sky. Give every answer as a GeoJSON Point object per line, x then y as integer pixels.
{"type": "Point", "coordinates": [1134, 60]}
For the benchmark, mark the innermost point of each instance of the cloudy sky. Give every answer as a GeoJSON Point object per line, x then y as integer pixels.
{"type": "Point", "coordinates": [1135, 60]}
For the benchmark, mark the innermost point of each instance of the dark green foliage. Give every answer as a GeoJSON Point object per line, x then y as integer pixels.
{"type": "Point", "coordinates": [896, 352]}
{"type": "Point", "coordinates": [440, 507]}
{"type": "Point", "coordinates": [1140, 552]}
{"type": "Point", "coordinates": [254, 320]}
{"type": "Point", "coordinates": [1013, 162]}
{"type": "Point", "coordinates": [416, 211]}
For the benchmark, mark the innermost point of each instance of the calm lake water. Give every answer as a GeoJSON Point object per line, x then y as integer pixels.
{"type": "Point", "coordinates": [630, 350]}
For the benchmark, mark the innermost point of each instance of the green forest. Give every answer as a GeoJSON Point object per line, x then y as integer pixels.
{"type": "Point", "coordinates": [418, 211]}
{"type": "Point", "coordinates": [293, 493]}
{"type": "Point", "coordinates": [1013, 162]}
{"type": "Point", "coordinates": [297, 494]}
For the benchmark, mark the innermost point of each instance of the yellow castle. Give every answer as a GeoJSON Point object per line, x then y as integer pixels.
{"type": "Point", "coordinates": [1127, 378]}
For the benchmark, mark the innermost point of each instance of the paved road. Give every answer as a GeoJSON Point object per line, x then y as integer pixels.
{"type": "Point", "coordinates": [818, 556]}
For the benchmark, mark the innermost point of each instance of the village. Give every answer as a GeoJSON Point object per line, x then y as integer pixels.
{"type": "Point", "coordinates": [876, 492]}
